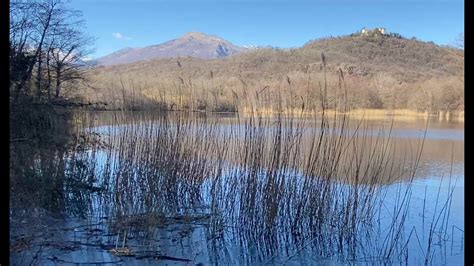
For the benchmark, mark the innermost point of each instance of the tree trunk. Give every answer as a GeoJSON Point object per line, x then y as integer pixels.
{"type": "Point", "coordinates": [58, 82]}
{"type": "Point", "coordinates": [31, 65]}
{"type": "Point", "coordinates": [49, 76]}
{"type": "Point", "coordinates": [39, 75]}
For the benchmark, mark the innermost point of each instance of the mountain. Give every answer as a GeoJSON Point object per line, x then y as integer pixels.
{"type": "Point", "coordinates": [192, 44]}
{"type": "Point", "coordinates": [407, 60]}
{"type": "Point", "coordinates": [380, 71]}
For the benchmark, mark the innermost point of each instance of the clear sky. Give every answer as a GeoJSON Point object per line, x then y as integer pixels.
{"type": "Point", "coordinates": [281, 23]}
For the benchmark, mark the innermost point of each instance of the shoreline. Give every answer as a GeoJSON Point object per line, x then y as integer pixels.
{"type": "Point", "coordinates": [359, 113]}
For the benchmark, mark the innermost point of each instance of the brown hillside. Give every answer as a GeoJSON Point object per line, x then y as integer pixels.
{"type": "Point", "coordinates": [408, 60]}
{"type": "Point", "coordinates": [378, 70]}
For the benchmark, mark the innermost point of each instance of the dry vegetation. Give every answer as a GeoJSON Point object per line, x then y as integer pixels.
{"type": "Point", "coordinates": [283, 183]}
{"type": "Point", "coordinates": [380, 72]}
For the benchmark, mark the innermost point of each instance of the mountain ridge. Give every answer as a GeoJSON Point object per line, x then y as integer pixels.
{"type": "Point", "coordinates": [380, 71]}
{"type": "Point", "coordinates": [191, 44]}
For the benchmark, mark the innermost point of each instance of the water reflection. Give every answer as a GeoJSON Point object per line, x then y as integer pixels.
{"type": "Point", "coordinates": [240, 191]}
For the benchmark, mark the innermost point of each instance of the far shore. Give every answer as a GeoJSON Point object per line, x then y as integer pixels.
{"type": "Point", "coordinates": [359, 113]}
{"type": "Point", "coordinates": [371, 114]}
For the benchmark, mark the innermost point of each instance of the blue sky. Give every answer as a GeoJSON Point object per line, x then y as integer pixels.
{"type": "Point", "coordinates": [282, 23]}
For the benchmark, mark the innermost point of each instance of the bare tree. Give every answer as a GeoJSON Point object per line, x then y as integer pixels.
{"type": "Point", "coordinates": [72, 46]}
{"type": "Point", "coordinates": [21, 31]}
{"type": "Point", "coordinates": [46, 36]}
{"type": "Point", "coordinates": [48, 17]}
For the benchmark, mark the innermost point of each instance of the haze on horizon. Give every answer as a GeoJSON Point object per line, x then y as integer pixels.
{"type": "Point", "coordinates": [118, 24]}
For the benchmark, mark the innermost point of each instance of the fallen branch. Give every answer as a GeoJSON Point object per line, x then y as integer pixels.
{"type": "Point", "coordinates": [56, 259]}
{"type": "Point", "coordinates": [159, 257]}
{"type": "Point", "coordinates": [19, 139]}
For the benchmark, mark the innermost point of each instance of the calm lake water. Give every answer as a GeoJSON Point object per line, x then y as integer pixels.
{"type": "Point", "coordinates": [208, 190]}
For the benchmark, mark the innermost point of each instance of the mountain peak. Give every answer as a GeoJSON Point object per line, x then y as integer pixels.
{"type": "Point", "coordinates": [195, 34]}
{"type": "Point", "coordinates": [193, 44]}
{"type": "Point", "coordinates": [199, 36]}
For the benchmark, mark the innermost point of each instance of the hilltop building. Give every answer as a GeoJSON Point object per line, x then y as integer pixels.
{"type": "Point", "coordinates": [374, 32]}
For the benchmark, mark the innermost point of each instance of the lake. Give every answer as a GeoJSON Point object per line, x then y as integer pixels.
{"type": "Point", "coordinates": [177, 188]}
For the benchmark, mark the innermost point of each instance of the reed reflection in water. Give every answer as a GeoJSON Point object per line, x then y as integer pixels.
{"type": "Point", "coordinates": [260, 190]}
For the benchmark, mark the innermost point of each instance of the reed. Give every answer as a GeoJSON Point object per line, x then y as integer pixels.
{"type": "Point", "coordinates": [277, 184]}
